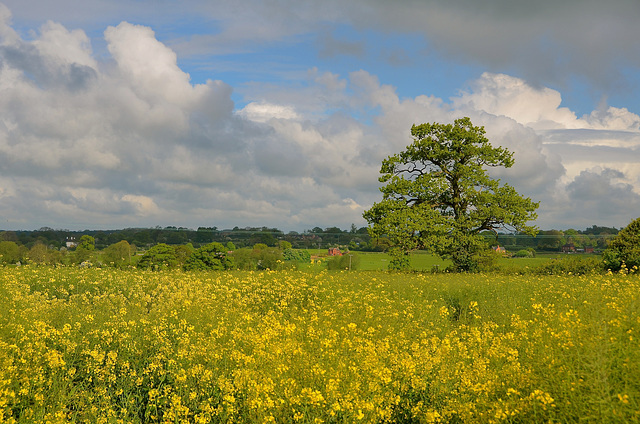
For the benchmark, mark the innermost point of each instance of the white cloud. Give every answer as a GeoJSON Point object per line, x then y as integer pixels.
{"type": "Point", "coordinates": [263, 112]}
{"type": "Point", "coordinates": [59, 45]}
{"type": "Point", "coordinates": [143, 205]}
{"type": "Point", "coordinates": [130, 140]}
{"type": "Point", "coordinates": [149, 66]}
{"type": "Point", "coordinates": [613, 118]}
{"type": "Point", "coordinates": [602, 195]}
{"type": "Point", "coordinates": [504, 95]}
{"type": "Point", "coordinates": [117, 137]}
{"type": "Point", "coordinates": [6, 32]}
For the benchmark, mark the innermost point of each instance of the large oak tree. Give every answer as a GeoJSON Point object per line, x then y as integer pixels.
{"type": "Point", "coordinates": [438, 196]}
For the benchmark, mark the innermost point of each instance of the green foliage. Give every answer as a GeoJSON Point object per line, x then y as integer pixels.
{"type": "Point", "coordinates": [271, 258]}
{"type": "Point", "coordinates": [183, 252]}
{"type": "Point", "coordinates": [81, 255]}
{"type": "Point", "coordinates": [38, 254]}
{"type": "Point", "coordinates": [159, 257]}
{"type": "Point", "coordinates": [624, 249]}
{"type": "Point", "coordinates": [244, 259]}
{"type": "Point", "coordinates": [212, 256]}
{"type": "Point", "coordinates": [284, 245]}
{"type": "Point", "coordinates": [611, 260]}
{"type": "Point", "coordinates": [438, 195]}
{"type": "Point", "coordinates": [118, 255]}
{"type": "Point", "coordinates": [380, 244]}
{"type": "Point", "coordinates": [399, 259]}
{"type": "Point", "coordinates": [525, 253]}
{"type": "Point", "coordinates": [295, 255]}
{"type": "Point", "coordinates": [487, 260]}
{"type": "Point", "coordinates": [8, 236]}
{"type": "Point", "coordinates": [571, 264]}
{"type": "Point", "coordinates": [348, 261]}
{"type": "Point", "coordinates": [84, 251]}
{"type": "Point", "coordinates": [87, 243]}
{"type": "Point", "coordinates": [11, 253]}
{"type": "Point", "coordinates": [41, 255]}
{"type": "Point", "coordinates": [264, 237]}
{"type": "Point", "coordinates": [262, 257]}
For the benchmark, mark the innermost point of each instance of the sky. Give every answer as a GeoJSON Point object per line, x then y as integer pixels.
{"type": "Point", "coordinates": [278, 113]}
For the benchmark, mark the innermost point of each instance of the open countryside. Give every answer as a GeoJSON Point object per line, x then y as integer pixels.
{"type": "Point", "coordinates": [458, 329]}
{"type": "Point", "coordinates": [319, 212]}
{"type": "Point", "coordinates": [60, 245]}
{"type": "Point", "coordinates": [102, 342]}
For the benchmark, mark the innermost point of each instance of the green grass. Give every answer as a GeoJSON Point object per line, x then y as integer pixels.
{"type": "Point", "coordinates": [524, 262]}
{"type": "Point", "coordinates": [420, 261]}
{"type": "Point", "coordinates": [426, 262]}
{"type": "Point", "coordinates": [512, 264]}
{"type": "Point", "coordinates": [378, 261]}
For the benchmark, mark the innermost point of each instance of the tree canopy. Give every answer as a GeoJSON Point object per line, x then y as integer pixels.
{"type": "Point", "coordinates": [438, 196]}
{"type": "Point", "coordinates": [212, 256]}
{"type": "Point", "coordinates": [159, 257]}
{"type": "Point", "coordinates": [624, 249]}
{"type": "Point", "coordinates": [118, 254]}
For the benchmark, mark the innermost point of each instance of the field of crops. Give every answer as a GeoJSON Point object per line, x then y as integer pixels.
{"type": "Point", "coordinates": [107, 346]}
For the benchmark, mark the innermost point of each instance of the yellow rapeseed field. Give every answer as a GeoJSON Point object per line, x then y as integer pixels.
{"type": "Point", "coordinates": [108, 346]}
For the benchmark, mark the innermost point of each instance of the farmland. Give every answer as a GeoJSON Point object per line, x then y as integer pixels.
{"type": "Point", "coordinates": [422, 261]}
{"type": "Point", "coordinates": [111, 346]}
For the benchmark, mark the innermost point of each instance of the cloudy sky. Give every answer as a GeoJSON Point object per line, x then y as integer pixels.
{"type": "Point", "coordinates": [120, 113]}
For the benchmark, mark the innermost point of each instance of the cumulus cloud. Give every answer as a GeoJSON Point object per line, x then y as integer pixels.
{"type": "Point", "coordinates": [103, 137]}
{"type": "Point", "coordinates": [613, 118]}
{"type": "Point", "coordinates": [136, 142]}
{"type": "Point", "coordinates": [143, 205]}
{"type": "Point", "coordinates": [504, 95]}
{"type": "Point", "coordinates": [128, 139]}
{"type": "Point", "coordinates": [603, 195]}
{"type": "Point", "coordinates": [263, 112]}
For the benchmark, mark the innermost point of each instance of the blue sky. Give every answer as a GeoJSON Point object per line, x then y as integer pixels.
{"type": "Point", "coordinates": [199, 113]}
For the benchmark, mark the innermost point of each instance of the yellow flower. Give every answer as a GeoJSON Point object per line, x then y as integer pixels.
{"type": "Point", "coordinates": [623, 398]}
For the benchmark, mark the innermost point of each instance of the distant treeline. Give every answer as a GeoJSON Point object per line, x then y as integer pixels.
{"type": "Point", "coordinates": [353, 238]}
{"type": "Point", "coordinates": [356, 238]}
{"type": "Point", "coordinates": [596, 238]}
